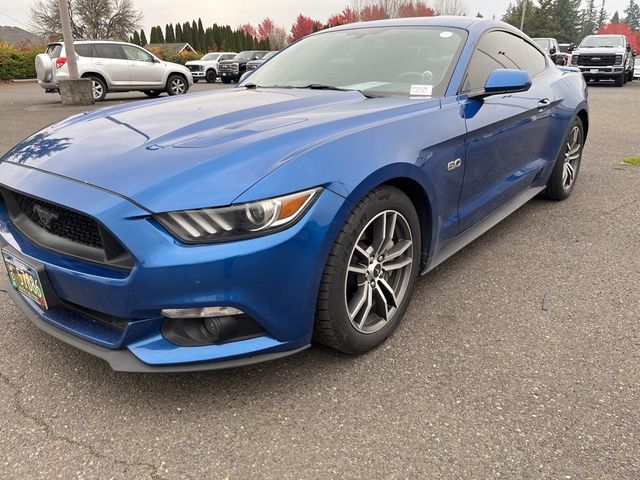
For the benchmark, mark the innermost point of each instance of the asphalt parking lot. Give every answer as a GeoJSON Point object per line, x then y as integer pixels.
{"type": "Point", "coordinates": [478, 382]}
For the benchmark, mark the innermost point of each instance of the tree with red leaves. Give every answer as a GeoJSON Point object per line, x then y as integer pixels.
{"type": "Point", "coordinates": [409, 8]}
{"type": "Point", "coordinates": [303, 26]}
{"type": "Point", "coordinates": [345, 16]}
{"type": "Point", "coordinates": [248, 29]}
{"type": "Point", "coordinates": [621, 29]}
{"type": "Point", "coordinates": [373, 12]}
{"type": "Point", "coordinates": [265, 27]}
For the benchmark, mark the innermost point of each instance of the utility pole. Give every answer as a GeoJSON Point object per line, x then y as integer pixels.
{"type": "Point", "coordinates": [74, 90]}
{"type": "Point", "coordinates": [524, 9]}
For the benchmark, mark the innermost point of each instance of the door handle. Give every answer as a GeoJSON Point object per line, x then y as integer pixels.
{"type": "Point", "coordinates": [544, 103]}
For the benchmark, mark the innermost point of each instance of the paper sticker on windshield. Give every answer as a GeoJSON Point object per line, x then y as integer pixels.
{"type": "Point", "coordinates": [421, 90]}
{"type": "Point", "coordinates": [446, 35]}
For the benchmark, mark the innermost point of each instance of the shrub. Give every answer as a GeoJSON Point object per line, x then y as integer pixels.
{"type": "Point", "coordinates": [170, 56]}
{"type": "Point", "coordinates": [18, 62]}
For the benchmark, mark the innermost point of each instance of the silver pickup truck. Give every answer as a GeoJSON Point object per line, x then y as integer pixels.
{"type": "Point", "coordinates": [605, 57]}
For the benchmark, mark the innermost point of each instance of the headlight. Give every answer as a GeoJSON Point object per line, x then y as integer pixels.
{"type": "Point", "coordinates": [238, 221]}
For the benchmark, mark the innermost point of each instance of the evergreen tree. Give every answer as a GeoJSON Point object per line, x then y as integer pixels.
{"type": "Point", "coordinates": [632, 17]}
{"type": "Point", "coordinates": [209, 39]}
{"type": "Point", "coordinates": [602, 15]}
{"type": "Point", "coordinates": [136, 38]}
{"type": "Point", "coordinates": [169, 34]}
{"type": "Point", "coordinates": [589, 19]}
{"type": "Point", "coordinates": [202, 39]}
{"type": "Point", "coordinates": [143, 38]}
{"type": "Point", "coordinates": [195, 37]}
{"type": "Point", "coordinates": [159, 34]}
{"type": "Point", "coordinates": [479, 15]}
{"type": "Point", "coordinates": [178, 33]}
{"type": "Point", "coordinates": [152, 35]}
{"type": "Point", "coordinates": [186, 34]}
{"type": "Point", "coordinates": [567, 14]}
{"type": "Point", "coordinates": [615, 18]}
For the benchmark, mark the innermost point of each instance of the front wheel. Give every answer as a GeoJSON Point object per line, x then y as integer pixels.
{"type": "Point", "coordinates": [226, 80]}
{"type": "Point", "coordinates": [211, 76]}
{"type": "Point", "coordinates": [565, 172]}
{"type": "Point", "coordinates": [620, 80]}
{"type": "Point", "coordinates": [176, 85]}
{"type": "Point", "coordinates": [370, 273]}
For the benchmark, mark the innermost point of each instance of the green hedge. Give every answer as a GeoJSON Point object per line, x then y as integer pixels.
{"type": "Point", "coordinates": [17, 62]}
{"type": "Point", "coordinates": [171, 56]}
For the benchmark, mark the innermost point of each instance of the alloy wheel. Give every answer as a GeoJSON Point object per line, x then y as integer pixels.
{"type": "Point", "coordinates": [177, 86]}
{"type": "Point", "coordinates": [572, 157]}
{"type": "Point", "coordinates": [96, 89]}
{"type": "Point", "coordinates": [379, 271]}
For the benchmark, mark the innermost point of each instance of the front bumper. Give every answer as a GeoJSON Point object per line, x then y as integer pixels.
{"type": "Point", "coordinates": [274, 279]}
{"type": "Point", "coordinates": [599, 71]}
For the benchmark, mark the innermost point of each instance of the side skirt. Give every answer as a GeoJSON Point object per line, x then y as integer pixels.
{"type": "Point", "coordinates": [469, 235]}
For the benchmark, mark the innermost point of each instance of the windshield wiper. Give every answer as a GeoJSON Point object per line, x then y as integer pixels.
{"type": "Point", "coordinates": [322, 86]}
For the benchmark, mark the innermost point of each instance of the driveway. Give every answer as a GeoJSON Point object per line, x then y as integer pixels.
{"type": "Point", "coordinates": [480, 381]}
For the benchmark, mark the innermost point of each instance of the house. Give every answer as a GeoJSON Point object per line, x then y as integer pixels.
{"type": "Point", "coordinates": [174, 47]}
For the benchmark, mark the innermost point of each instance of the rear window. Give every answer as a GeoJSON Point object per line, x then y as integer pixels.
{"type": "Point", "coordinates": [84, 50]}
{"type": "Point", "coordinates": [54, 50]}
{"type": "Point", "coordinates": [109, 50]}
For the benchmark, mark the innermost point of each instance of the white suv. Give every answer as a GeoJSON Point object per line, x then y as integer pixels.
{"type": "Point", "coordinates": [113, 67]}
{"type": "Point", "coordinates": [207, 67]}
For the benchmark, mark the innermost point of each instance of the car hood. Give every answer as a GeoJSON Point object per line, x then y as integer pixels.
{"type": "Point", "coordinates": [198, 62]}
{"type": "Point", "coordinates": [595, 51]}
{"type": "Point", "coordinates": [201, 149]}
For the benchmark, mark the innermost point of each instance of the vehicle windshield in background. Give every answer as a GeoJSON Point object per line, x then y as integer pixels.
{"type": "Point", "coordinates": [209, 57]}
{"type": "Point", "coordinates": [543, 43]}
{"type": "Point", "coordinates": [601, 41]}
{"type": "Point", "coordinates": [243, 56]}
{"type": "Point", "coordinates": [415, 58]}
{"type": "Point", "coordinates": [269, 55]}
{"type": "Point", "coordinates": [565, 48]}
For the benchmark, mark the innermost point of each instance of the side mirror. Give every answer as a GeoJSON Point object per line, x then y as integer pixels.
{"type": "Point", "coordinates": [628, 47]}
{"type": "Point", "coordinates": [552, 50]}
{"type": "Point", "coordinates": [502, 81]}
{"type": "Point", "coordinates": [572, 47]}
{"type": "Point", "coordinates": [156, 60]}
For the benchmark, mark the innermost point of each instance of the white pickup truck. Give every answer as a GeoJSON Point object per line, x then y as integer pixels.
{"type": "Point", "coordinates": [207, 67]}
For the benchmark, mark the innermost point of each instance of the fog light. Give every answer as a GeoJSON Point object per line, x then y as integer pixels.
{"type": "Point", "coordinates": [203, 312]}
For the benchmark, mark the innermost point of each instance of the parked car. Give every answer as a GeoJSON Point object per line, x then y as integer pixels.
{"type": "Point", "coordinates": [207, 67]}
{"type": "Point", "coordinates": [232, 70]}
{"type": "Point", "coordinates": [551, 48]}
{"type": "Point", "coordinates": [605, 57]}
{"type": "Point", "coordinates": [565, 52]}
{"type": "Point", "coordinates": [253, 64]}
{"type": "Point", "coordinates": [636, 71]}
{"type": "Point", "coordinates": [303, 206]}
{"type": "Point", "coordinates": [113, 67]}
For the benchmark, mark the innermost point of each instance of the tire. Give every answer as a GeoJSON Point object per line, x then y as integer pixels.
{"type": "Point", "coordinates": [195, 80]}
{"type": "Point", "coordinates": [98, 88]}
{"type": "Point", "coordinates": [630, 76]}
{"type": "Point", "coordinates": [152, 93]}
{"type": "Point", "coordinates": [177, 85]}
{"type": "Point", "coordinates": [352, 277]}
{"type": "Point", "coordinates": [563, 178]}
{"type": "Point", "coordinates": [226, 80]}
{"type": "Point", "coordinates": [620, 80]}
{"type": "Point", "coordinates": [211, 76]}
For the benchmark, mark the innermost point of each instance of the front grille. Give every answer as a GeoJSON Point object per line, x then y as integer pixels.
{"type": "Point", "coordinates": [229, 67]}
{"type": "Point", "coordinates": [596, 60]}
{"type": "Point", "coordinates": [64, 230]}
{"type": "Point", "coordinates": [59, 221]}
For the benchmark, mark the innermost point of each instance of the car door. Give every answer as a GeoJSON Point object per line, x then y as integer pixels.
{"type": "Point", "coordinates": [111, 61]}
{"type": "Point", "coordinates": [145, 71]}
{"type": "Point", "coordinates": [506, 134]}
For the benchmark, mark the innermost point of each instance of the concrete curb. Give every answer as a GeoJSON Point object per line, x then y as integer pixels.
{"type": "Point", "coordinates": [24, 80]}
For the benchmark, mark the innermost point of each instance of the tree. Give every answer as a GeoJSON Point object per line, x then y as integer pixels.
{"type": "Point", "coordinates": [615, 18]}
{"type": "Point", "coordinates": [277, 38]}
{"type": "Point", "coordinates": [602, 15]}
{"type": "Point", "coordinates": [169, 33]}
{"type": "Point", "coordinates": [621, 29]}
{"type": "Point", "coordinates": [632, 17]}
{"type": "Point", "coordinates": [178, 33]}
{"type": "Point", "coordinates": [106, 19]}
{"type": "Point", "coordinates": [143, 38]}
{"type": "Point", "coordinates": [302, 27]}
{"type": "Point", "coordinates": [566, 14]}
{"type": "Point", "coordinates": [409, 8]}
{"type": "Point", "coordinates": [265, 27]}
{"type": "Point", "coordinates": [202, 40]}
{"type": "Point", "coordinates": [450, 7]}
{"type": "Point", "coordinates": [347, 15]}
{"type": "Point", "coordinates": [186, 34]}
{"type": "Point", "coordinates": [136, 38]}
{"type": "Point", "coordinates": [479, 15]}
{"type": "Point", "coordinates": [153, 36]}
{"type": "Point", "coordinates": [372, 12]}
{"type": "Point", "coordinates": [195, 38]}
{"type": "Point", "coordinates": [589, 17]}
{"type": "Point", "coordinates": [248, 29]}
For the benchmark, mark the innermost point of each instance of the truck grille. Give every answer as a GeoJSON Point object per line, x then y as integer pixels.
{"type": "Point", "coordinates": [229, 67]}
{"type": "Point", "coordinates": [64, 230]}
{"type": "Point", "coordinates": [596, 60]}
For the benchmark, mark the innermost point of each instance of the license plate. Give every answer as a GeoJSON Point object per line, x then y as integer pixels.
{"type": "Point", "coordinates": [24, 278]}
{"type": "Point", "coordinates": [593, 70]}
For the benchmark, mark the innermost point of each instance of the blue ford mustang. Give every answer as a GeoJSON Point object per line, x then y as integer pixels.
{"type": "Point", "coordinates": [237, 226]}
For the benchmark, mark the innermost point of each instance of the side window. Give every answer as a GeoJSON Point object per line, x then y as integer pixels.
{"type": "Point", "coordinates": [136, 54]}
{"type": "Point", "coordinates": [498, 49]}
{"type": "Point", "coordinates": [258, 56]}
{"type": "Point", "coordinates": [109, 50]}
{"type": "Point", "coordinates": [84, 50]}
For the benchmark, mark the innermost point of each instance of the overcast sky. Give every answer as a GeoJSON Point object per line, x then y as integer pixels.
{"type": "Point", "coordinates": [236, 12]}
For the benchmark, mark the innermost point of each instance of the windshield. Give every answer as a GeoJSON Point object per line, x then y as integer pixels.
{"type": "Point", "coordinates": [565, 48]}
{"type": "Point", "coordinates": [380, 61]}
{"type": "Point", "coordinates": [54, 50]}
{"type": "Point", "coordinates": [543, 43]}
{"type": "Point", "coordinates": [243, 56]}
{"type": "Point", "coordinates": [210, 57]}
{"type": "Point", "coordinates": [268, 55]}
{"type": "Point", "coordinates": [602, 41]}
